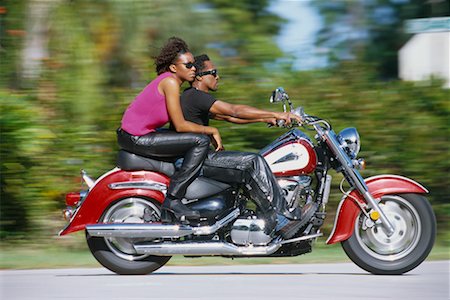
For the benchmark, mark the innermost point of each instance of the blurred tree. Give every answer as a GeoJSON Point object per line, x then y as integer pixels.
{"type": "Point", "coordinates": [372, 30]}
{"type": "Point", "coordinates": [12, 16]}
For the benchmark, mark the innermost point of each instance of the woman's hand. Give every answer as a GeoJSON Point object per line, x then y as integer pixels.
{"type": "Point", "coordinates": [217, 140]}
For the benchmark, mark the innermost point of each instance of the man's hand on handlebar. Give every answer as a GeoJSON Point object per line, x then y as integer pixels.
{"type": "Point", "coordinates": [287, 119]}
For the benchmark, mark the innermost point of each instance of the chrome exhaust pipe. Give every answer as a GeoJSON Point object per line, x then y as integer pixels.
{"type": "Point", "coordinates": [205, 248]}
{"type": "Point", "coordinates": [215, 248]}
{"type": "Point", "coordinates": [156, 230]}
{"type": "Point", "coordinates": [145, 230]}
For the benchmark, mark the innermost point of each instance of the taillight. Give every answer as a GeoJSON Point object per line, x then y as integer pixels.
{"type": "Point", "coordinates": [72, 199]}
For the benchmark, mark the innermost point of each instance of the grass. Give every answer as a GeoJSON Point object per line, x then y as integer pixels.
{"type": "Point", "coordinates": [24, 256]}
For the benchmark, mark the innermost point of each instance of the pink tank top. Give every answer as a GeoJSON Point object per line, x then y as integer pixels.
{"type": "Point", "coordinates": [148, 111]}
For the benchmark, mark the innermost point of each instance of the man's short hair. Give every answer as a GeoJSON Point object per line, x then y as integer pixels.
{"type": "Point", "coordinates": [199, 62]}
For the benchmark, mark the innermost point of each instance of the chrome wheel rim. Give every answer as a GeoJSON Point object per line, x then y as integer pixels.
{"type": "Point", "coordinates": [129, 210]}
{"type": "Point", "coordinates": [407, 230]}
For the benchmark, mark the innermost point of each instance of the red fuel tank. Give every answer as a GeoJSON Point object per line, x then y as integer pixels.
{"type": "Point", "coordinates": [292, 154]}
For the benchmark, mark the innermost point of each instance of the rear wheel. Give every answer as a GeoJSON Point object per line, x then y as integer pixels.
{"type": "Point", "coordinates": [118, 254]}
{"type": "Point", "coordinates": [414, 234]}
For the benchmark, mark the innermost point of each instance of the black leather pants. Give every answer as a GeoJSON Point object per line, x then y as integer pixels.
{"type": "Point", "coordinates": [169, 145]}
{"type": "Point", "coordinates": [250, 169]}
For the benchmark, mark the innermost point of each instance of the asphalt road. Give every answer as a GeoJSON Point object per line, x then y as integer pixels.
{"type": "Point", "coordinates": [300, 281]}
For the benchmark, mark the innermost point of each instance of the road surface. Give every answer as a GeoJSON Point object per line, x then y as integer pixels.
{"type": "Point", "coordinates": [429, 281]}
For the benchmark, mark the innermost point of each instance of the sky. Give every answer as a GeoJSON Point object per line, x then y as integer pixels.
{"type": "Point", "coordinates": [297, 36]}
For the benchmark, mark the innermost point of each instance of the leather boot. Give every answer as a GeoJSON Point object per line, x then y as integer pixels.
{"type": "Point", "coordinates": [287, 228]}
{"type": "Point", "coordinates": [177, 208]}
{"type": "Point", "coordinates": [271, 222]}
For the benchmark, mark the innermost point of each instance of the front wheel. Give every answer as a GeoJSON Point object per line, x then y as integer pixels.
{"type": "Point", "coordinates": [118, 254]}
{"type": "Point", "coordinates": [415, 230]}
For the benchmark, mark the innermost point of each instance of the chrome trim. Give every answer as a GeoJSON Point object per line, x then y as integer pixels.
{"type": "Point", "coordinates": [147, 184]}
{"type": "Point", "coordinates": [89, 181]}
{"type": "Point", "coordinates": [156, 230]}
{"type": "Point", "coordinates": [350, 140]}
{"type": "Point", "coordinates": [326, 189]}
{"type": "Point", "coordinates": [206, 230]}
{"type": "Point", "coordinates": [249, 231]}
{"type": "Point", "coordinates": [302, 238]}
{"type": "Point", "coordinates": [205, 248]}
{"type": "Point", "coordinates": [145, 230]}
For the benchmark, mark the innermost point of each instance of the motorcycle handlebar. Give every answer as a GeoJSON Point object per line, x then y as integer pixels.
{"type": "Point", "coordinates": [282, 123]}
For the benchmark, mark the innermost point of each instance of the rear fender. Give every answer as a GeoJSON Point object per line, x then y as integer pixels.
{"type": "Point", "coordinates": [114, 185]}
{"type": "Point", "coordinates": [379, 186]}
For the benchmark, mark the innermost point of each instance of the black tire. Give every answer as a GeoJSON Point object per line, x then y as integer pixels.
{"type": "Point", "coordinates": [408, 247]}
{"type": "Point", "coordinates": [117, 254]}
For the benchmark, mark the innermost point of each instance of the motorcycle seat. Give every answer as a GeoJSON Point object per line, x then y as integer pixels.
{"type": "Point", "coordinates": [128, 161]}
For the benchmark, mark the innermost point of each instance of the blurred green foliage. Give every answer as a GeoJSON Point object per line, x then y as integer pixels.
{"type": "Point", "coordinates": [61, 115]}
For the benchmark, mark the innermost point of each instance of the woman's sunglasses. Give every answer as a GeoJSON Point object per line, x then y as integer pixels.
{"type": "Point", "coordinates": [188, 65]}
{"type": "Point", "coordinates": [212, 72]}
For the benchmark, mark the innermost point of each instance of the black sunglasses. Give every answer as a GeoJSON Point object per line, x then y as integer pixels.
{"type": "Point", "coordinates": [212, 72]}
{"type": "Point", "coordinates": [188, 65]}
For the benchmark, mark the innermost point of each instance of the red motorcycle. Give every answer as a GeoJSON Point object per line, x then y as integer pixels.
{"type": "Point", "coordinates": [384, 223]}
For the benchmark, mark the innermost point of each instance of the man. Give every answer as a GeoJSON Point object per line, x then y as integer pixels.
{"type": "Point", "coordinates": [250, 169]}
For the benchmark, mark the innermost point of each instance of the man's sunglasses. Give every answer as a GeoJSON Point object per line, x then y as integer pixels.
{"type": "Point", "coordinates": [212, 72]}
{"type": "Point", "coordinates": [188, 65]}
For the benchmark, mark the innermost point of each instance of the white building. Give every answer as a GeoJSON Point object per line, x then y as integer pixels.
{"type": "Point", "coordinates": [427, 53]}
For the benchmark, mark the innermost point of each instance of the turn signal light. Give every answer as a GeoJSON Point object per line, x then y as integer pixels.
{"type": "Point", "coordinates": [68, 213]}
{"type": "Point", "coordinates": [374, 215]}
{"type": "Point", "coordinates": [360, 164]}
{"type": "Point", "coordinates": [72, 199]}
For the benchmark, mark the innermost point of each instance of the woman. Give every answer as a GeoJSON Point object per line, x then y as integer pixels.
{"type": "Point", "coordinates": [154, 107]}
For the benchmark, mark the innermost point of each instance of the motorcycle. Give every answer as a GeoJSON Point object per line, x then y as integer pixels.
{"type": "Point", "coordinates": [384, 223]}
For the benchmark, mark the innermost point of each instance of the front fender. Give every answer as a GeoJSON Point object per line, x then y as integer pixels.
{"type": "Point", "coordinates": [102, 195]}
{"type": "Point", "coordinates": [379, 186]}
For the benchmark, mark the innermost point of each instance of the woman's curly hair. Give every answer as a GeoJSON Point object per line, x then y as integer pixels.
{"type": "Point", "coordinates": [169, 53]}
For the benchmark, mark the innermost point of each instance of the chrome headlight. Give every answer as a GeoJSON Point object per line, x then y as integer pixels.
{"type": "Point", "coordinates": [349, 139]}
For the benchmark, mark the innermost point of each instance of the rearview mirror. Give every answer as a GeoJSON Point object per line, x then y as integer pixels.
{"type": "Point", "coordinates": [279, 95]}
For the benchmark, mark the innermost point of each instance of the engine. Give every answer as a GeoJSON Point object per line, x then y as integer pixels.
{"type": "Point", "coordinates": [297, 190]}
{"type": "Point", "coordinates": [249, 230]}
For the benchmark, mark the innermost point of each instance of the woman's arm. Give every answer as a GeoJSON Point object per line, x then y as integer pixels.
{"type": "Point", "coordinates": [171, 90]}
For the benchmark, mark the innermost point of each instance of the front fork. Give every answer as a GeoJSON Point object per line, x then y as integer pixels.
{"type": "Point", "coordinates": [355, 179]}
{"type": "Point", "coordinates": [389, 228]}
